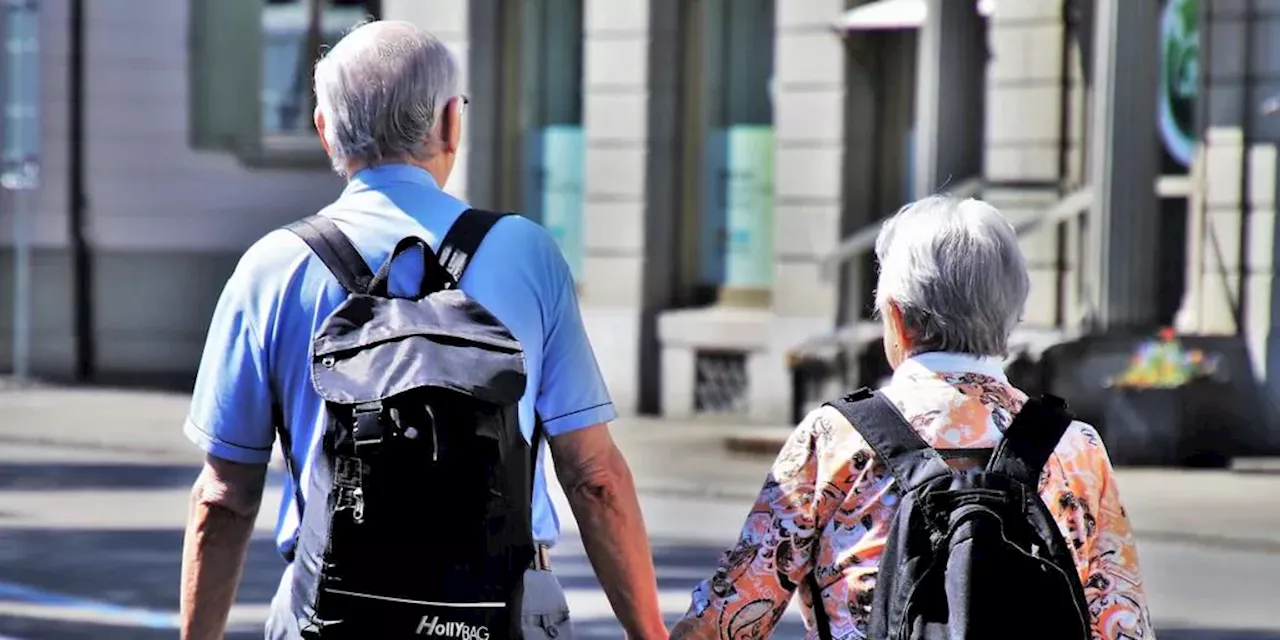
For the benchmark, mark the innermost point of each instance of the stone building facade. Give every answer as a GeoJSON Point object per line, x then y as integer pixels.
{"type": "Point", "coordinates": [713, 169]}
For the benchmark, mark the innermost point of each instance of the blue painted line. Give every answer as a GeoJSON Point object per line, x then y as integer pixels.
{"type": "Point", "coordinates": [148, 618]}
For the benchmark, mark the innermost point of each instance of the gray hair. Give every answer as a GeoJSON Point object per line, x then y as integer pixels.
{"type": "Point", "coordinates": [381, 90]}
{"type": "Point", "coordinates": [955, 270]}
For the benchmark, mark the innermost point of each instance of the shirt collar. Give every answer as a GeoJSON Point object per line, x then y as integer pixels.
{"type": "Point", "coordinates": [385, 175]}
{"type": "Point", "coordinates": [934, 363]}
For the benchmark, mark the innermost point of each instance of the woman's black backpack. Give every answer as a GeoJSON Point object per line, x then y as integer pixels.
{"type": "Point", "coordinates": [971, 553]}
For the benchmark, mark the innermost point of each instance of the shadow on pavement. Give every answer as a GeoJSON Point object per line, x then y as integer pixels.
{"type": "Point", "coordinates": [122, 568]}
{"type": "Point", "coordinates": [31, 629]}
{"type": "Point", "coordinates": [63, 476]}
{"type": "Point", "coordinates": [602, 629]}
{"type": "Point", "coordinates": [1209, 634]}
{"type": "Point", "coordinates": [179, 382]}
{"type": "Point", "coordinates": [26, 629]}
{"type": "Point", "coordinates": [680, 567]}
{"type": "Point", "coordinates": [71, 476]}
{"type": "Point", "coordinates": [139, 569]}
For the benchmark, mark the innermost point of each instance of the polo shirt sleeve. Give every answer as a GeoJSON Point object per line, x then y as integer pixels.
{"type": "Point", "coordinates": [231, 406]}
{"type": "Point", "coordinates": [572, 394]}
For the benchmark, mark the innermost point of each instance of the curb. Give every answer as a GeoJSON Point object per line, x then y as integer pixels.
{"type": "Point", "coordinates": [693, 491]}
{"type": "Point", "coordinates": [94, 445]}
{"type": "Point", "coordinates": [761, 444]}
{"type": "Point", "coordinates": [1255, 465]}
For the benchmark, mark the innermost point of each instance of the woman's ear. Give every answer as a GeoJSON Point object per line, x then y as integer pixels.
{"type": "Point", "coordinates": [897, 346]}
{"type": "Point", "coordinates": [899, 327]}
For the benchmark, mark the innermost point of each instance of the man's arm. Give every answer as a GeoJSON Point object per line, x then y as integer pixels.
{"type": "Point", "coordinates": [224, 505]}
{"type": "Point", "coordinates": [602, 493]}
{"type": "Point", "coordinates": [232, 420]}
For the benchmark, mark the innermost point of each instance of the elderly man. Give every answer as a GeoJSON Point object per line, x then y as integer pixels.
{"type": "Point", "coordinates": [389, 115]}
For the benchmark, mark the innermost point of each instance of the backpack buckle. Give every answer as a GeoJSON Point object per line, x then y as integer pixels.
{"type": "Point", "coordinates": [368, 426]}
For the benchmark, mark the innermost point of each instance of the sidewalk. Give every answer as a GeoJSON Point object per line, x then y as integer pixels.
{"type": "Point", "coordinates": [679, 459]}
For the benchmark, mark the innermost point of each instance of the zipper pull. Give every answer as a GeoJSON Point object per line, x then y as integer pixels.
{"type": "Point", "coordinates": [357, 513]}
{"type": "Point", "coordinates": [435, 443]}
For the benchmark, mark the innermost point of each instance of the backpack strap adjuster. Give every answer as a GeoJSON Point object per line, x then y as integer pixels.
{"type": "Point", "coordinates": [368, 426]}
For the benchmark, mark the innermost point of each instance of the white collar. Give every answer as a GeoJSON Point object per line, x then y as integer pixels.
{"type": "Point", "coordinates": [933, 363]}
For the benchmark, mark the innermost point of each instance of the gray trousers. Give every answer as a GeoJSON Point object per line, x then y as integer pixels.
{"type": "Point", "coordinates": [546, 612]}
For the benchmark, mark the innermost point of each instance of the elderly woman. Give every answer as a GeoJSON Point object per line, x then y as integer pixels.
{"type": "Point", "coordinates": [952, 287]}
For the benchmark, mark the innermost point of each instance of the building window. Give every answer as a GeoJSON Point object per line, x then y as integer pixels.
{"type": "Point", "coordinates": [250, 74]}
{"type": "Point", "coordinates": [286, 70]}
{"type": "Point", "coordinates": [728, 144]}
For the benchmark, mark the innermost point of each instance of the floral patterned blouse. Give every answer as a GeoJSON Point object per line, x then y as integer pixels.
{"type": "Point", "coordinates": [827, 488]}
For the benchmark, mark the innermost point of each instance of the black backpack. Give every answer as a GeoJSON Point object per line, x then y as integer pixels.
{"type": "Point", "coordinates": [420, 518]}
{"type": "Point", "coordinates": [970, 554]}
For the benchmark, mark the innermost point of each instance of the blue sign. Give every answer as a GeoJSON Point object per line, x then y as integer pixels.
{"type": "Point", "coordinates": [749, 190]}
{"type": "Point", "coordinates": [736, 244]}
{"type": "Point", "coordinates": [562, 151]}
{"type": "Point", "coordinates": [713, 234]}
{"type": "Point", "coordinates": [21, 159]}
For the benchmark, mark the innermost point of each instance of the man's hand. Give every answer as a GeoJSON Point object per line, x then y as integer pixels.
{"type": "Point", "coordinates": [224, 505]}
{"type": "Point", "coordinates": [602, 493]}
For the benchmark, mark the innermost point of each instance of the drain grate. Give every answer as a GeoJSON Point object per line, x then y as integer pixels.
{"type": "Point", "coordinates": [721, 382]}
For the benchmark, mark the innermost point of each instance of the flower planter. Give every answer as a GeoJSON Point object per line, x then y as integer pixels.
{"type": "Point", "coordinates": [1168, 426]}
{"type": "Point", "coordinates": [1143, 426]}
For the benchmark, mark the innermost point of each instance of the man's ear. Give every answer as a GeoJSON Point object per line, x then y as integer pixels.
{"type": "Point", "coordinates": [452, 125]}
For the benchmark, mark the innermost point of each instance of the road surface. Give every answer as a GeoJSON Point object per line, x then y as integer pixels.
{"type": "Point", "coordinates": [92, 501]}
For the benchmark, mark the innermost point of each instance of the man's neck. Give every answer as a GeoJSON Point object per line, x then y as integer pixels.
{"type": "Point", "coordinates": [433, 168]}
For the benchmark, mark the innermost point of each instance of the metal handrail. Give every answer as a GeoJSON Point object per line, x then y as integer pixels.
{"type": "Point", "coordinates": [864, 239]}
{"type": "Point", "coordinates": [1074, 205]}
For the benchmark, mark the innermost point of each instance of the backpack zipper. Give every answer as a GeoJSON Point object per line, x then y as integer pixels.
{"type": "Point", "coordinates": [1081, 615]}
{"type": "Point", "coordinates": [435, 442]}
{"type": "Point", "coordinates": [435, 438]}
{"type": "Point", "coordinates": [426, 603]}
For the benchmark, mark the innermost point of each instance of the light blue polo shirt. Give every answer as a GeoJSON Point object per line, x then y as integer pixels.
{"type": "Point", "coordinates": [258, 346]}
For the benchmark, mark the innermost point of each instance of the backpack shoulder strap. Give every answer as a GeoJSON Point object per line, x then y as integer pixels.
{"type": "Point", "coordinates": [335, 250]}
{"type": "Point", "coordinates": [1031, 439]}
{"type": "Point", "coordinates": [909, 458]}
{"type": "Point", "coordinates": [464, 238]}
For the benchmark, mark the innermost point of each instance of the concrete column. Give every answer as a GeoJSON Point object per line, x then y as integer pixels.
{"type": "Point", "coordinates": [809, 101]}
{"type": "Point", "coordinates": [950, 87]}
{"type": "Point", "coordinates": [1260, 263]}
{"type": "Point", "coordinates": [809, 189]}
{"type": "Point", "coordinates": [1024, 133]}
{"type": "Point", "coordinates": [616, 127]}
{"type": "Point", "coordinates": [1215, 230]}
{"type": "Point", "coordinates": [1238, 259]}
{"type": "Point", "coordinates": [1124, 223]}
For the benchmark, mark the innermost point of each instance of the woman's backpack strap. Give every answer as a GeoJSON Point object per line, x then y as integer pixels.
{"type": "Point", "coordinates": [909, 458]}
{"type": "Point", "coordinates": [1031, 439]}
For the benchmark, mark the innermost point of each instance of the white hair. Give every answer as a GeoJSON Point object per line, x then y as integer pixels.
{"type": "Point", "coordinates": [381, 91]}
{"type": "Point", "coordinates": [955, 271]}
